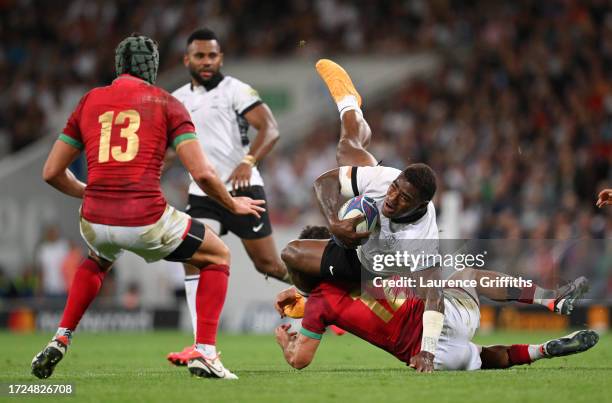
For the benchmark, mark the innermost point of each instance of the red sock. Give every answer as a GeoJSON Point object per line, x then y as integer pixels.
{"type": "Point", "coordinates": [85, 286]}
{"type": "Point", "coordinates": [527, 295]}
{"type": "Point", "coordinates": [519, 354]}
{"type": "Point", "coordinates": [210, 298]}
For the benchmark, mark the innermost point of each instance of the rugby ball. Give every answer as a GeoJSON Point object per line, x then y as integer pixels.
{"type": "Point", "coordinates": [360, 205]}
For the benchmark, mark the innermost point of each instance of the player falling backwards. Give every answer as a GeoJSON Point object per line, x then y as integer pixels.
{"type": "Point", "coordinates": [125, 129]}
{"type": "Point", "coordinates": [394, 322]}
{"type": "Point", "coordinates": [406, 212]}
{"type": "Point", "coordinates": [407, 215]}
{"type": "Point", "coordinates": [222, 108]}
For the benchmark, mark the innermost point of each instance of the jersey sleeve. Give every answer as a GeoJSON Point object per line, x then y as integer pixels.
{"type": "Point", "coordinates": [355, 181]}
{"type": "Point", "coordinates": [180, 126]}
{"type": "Point", "coordinates": [244, 98]}
{"type": "Point", "coordinates": [314, 322]}
{"type": "Point", "coordinates": [71, 134]}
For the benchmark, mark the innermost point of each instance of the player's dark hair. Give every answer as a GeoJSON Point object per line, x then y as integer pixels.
{"type": "Point", "coordinates": [203, 34]}
{"type": "Point", "coordinates": [423, 178]}
{"type": "Point", "coordinates": [314, 232]}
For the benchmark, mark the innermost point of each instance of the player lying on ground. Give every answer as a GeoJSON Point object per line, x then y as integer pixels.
{"type": "Point", "coordinates": [125, 129]}
{"type": "Point", "coordinates": [395, 322]}
{"type": "Point", "coordinates": [222, 108]}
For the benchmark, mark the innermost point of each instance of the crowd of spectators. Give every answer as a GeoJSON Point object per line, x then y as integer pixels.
{"type": "Point", "coordinates": [50, 54]}
{"type": "Point", "coordinates": [518, 119]}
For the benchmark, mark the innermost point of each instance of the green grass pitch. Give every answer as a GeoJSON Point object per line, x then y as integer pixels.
{"type": "Point", "coordinates": [131, 367]}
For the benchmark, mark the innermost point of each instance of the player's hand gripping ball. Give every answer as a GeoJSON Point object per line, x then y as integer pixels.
{"type": "Point", "coordinates": [361, 206]}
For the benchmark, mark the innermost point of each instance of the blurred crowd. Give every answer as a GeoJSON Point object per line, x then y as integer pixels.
{"type": "Point", "coordinates": [517, 122]}
{"type": "Point", "coordinates": [50, 54]}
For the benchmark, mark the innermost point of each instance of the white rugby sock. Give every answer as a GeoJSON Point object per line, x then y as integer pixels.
{"type": "Point", "coordinates": [348, 103]}
{"type": "Point", "coordinates": [536, 351]}
{"type": "Point", "coordinates": [208, 350]}
{"type": "Point", "coordinates": [191, 289]}
{"type": "Point", "coordinates": [64, 331]}
{"type": "Point", "coordinates": [543, 296]}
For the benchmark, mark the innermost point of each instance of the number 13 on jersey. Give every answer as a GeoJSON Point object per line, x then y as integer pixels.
{"type": "Point", "coordinates": [129, 133]}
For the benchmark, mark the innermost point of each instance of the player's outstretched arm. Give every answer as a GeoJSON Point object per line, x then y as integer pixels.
{"type": "Point", "coordinates": [56, 172]}
{"type": "Point", "coordinates": [298, 350]}
{"type": "Point", "coordinates": [203, 173]}
{"type": "Point", "coordinates": [433, 321]}
{"type": "Point", "coordinates": [328, 192]}
{"type": "Point", "coordinates": [263, 121]}
{"type": "Point", "coordinates": [604, 198]}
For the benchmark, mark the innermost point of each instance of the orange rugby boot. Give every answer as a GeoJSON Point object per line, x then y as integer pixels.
{"type": "Point", "coordinates": [337, 80]}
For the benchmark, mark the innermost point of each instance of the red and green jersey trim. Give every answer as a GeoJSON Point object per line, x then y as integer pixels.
{"type": "Point", "coordinates": [310, 334]}
{"type": "Point", "coordinates": [183, 137]}
{"type": "Point", "coordinates": [70, 141]}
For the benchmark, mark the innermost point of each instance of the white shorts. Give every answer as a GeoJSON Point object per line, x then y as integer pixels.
{"type": "Point", "coordinates": [151, 242]}
{"type": "Point", "coordinates": [461, 320]}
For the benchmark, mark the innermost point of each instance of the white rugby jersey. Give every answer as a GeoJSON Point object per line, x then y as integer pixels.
{"type": "Point", "coordinates": [218, 116]}
{"type": "Point", "coordinates": [419, 237]}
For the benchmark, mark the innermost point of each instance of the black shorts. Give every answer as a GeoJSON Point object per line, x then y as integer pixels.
{"type": "Point", "coordinates": [191, 243]}
{"type": "Point", "coordinates": [244, 226]}
{"type": "Point", "coordinates": [340, 263]}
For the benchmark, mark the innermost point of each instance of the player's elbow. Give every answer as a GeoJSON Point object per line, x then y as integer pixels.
{"type": "Point", "coordinates": [205, 176]}
{"type": "Point", "coordinates": [299, 362]}
{"type": "Point", "coordinates": [50, 174]}
{"type": "Point", "coordinates": [273, 133]}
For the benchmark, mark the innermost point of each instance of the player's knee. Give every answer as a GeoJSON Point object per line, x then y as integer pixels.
{"type": "Point", "coordinates": [224, 256]}
{"type": "Point", "coordinates": [291, 253]}
{"type": "Point", "coordinates": [190, 270]}
{"type": "Point", "coordinates": [104, 265]}
{"type": "Point", "coordinates": [346, 145]}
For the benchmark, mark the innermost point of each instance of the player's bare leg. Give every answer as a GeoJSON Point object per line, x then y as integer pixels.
{"type": "Point", "coordinates": [264, 256]}
{"type": "Point", "coordinates": [499, 357]}
{"type": "Point", "coordinates": [355, 133]}
{"type": "Point", "coordinates": [303, 260]}
{"type": "Point", "coordinates": [354, 138]}
{"type": "Point", "coordinates": [213, 259]}
{"type": "Point", "coordinates": [85, 287]}
{"type": "Point", "coordinates": [561, 300]}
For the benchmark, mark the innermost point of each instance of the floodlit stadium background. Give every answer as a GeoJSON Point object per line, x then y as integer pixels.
{"type": "Point", "coordinates": [510, 102]}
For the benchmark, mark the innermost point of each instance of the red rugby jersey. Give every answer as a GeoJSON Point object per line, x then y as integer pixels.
{"type": "Point", "coordinates": [394, 324]}
{"type": "Point", "coordinates": [125, 129]}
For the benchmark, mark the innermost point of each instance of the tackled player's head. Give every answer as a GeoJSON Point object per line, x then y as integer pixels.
{"type": "Point", "coordinates": [138, 56]}
{"type": "Point", "coordinates": [315, 232]}
{"type": "Point", "coordinates": [203, 56]}
{"type": "Point", "coordinates": [410, 191]}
